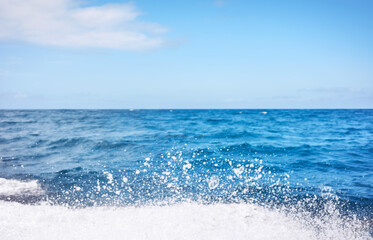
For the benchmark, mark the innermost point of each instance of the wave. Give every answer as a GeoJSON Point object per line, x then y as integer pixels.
{"type": "Point", "coordinates": [302, 150]}
{"type": "Point", "coordinates": [67, 143]}
{"type": "Point", "coordinates": [179, 221]}
{"type": "Point", "coordinates": [21, 191]}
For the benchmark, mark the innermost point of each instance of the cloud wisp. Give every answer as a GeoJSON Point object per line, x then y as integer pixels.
{"type": "Point", "coordinates": [66, 24]}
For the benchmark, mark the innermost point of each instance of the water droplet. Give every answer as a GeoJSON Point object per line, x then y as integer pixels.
{"type": "Point", "coordinates": [213, 182]}
{"type": "Point", "coordinates": [239, 171]}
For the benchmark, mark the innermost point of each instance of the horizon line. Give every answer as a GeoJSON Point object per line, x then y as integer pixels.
{"type": "Point", "coordinates": [134, 109]}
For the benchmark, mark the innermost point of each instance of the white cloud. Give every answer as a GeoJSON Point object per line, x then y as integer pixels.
{"type": "Point", "coordinates": [63, 23]}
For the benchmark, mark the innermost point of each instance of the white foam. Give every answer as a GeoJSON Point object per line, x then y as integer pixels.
{"type": "Point", "coordinates": [11, 187]}
{"type": "Point", "coordinates": [180, 221]}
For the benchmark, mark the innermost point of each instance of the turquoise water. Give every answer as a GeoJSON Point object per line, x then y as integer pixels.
{"type": "Point", "coordinates": [308, 164]}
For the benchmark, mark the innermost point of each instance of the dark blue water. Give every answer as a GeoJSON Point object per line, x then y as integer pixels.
{"type": "Point", "coordinates": [275, 158]}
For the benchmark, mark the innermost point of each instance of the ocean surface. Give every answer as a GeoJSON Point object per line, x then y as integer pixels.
{"type": "Point", "coordinates": [186, 174]}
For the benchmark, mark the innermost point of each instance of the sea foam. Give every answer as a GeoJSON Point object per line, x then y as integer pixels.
{"type": "Point", "coordinates": [12, 187]}
{"type": "Point", "coordinates": [178, 221]}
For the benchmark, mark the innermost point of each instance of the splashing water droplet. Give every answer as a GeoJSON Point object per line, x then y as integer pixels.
{"type": "Point", "coordinates": [125, 179]}
{"type": "Point", "coordinates": [213, 182]}
{"type": "Point", "coordinates": [239, 171]}
{"type": "Point", "coordinates": [187, 166]}
{"type": "Point", "coordinates": [109, 176]}
{"type": "Point", "coordinates": [166, 173]}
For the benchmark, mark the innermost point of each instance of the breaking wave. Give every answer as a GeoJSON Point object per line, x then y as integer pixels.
{"type": "Point", "coordinates": [177, 221]}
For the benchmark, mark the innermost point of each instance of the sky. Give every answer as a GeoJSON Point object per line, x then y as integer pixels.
{"type": "Point", "coordinates": [115, 54]}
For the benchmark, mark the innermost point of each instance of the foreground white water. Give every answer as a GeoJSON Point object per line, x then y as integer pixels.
{"type": "Point", "coordinates": [180, 221]}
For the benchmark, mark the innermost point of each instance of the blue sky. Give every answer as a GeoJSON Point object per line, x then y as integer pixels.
{"type": "Point", "coordinates": [186, 54]}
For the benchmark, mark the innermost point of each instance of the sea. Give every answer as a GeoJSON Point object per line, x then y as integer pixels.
{"type": "Point", "coordinates": [186, 174]}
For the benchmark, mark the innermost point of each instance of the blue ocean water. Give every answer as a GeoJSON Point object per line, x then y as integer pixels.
{"type": "Point", "coordinates": [317, 164]}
